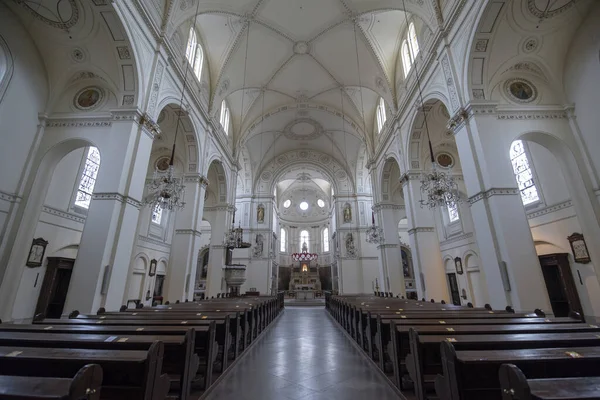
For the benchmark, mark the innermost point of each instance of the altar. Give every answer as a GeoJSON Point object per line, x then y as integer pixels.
{"type": "Point", "coordinates": [305, 294]}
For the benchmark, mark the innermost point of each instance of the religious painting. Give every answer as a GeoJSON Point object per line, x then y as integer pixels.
{"type": "Point", "coordinates": [162, 164]}
{"type": "Point", "coordinates": [579, 248]}
{"type": "Point", "coordinates": [444, 160]}
{"type": "Point", "coordinates": [347, 213]}
{"type": "Point", "coordinates": [88, 98]}
{"type": "Point", "coordinates": [520, 90]}
{"type": "Point", "coordinates": [260, 214]}
{"type": "Point", "coordinates": [36, 252]}
{"type": "Point", "coordinates": [458, 265]}
{"type": "Point", "coordinates": [153, 264]}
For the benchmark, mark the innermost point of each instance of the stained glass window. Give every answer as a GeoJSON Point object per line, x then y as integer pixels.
{"type": "Point", "coordinates": [88, 178]}
{"type": "Point", "coordinates": [225, 117]}
{"type": "Point", "coordinates": [194, 53]}
{"type": "Point", "coordinates": [381, 117]}
{"type": "Point", "coordinates": [453, 212]}
{"type": "Point", "coordinates": [304, 239]}
{"type": "Point", "coordinates": [156, 214]}
{"type": "Point", "coordinates": [414, 43]}
{"type": "Point", "coordinates": [282, 241]}
{"type": "Point", "coordinates": [406, 60]}
{"type": "Point", "coordinates": [523, 173]}
{"type": "Point", "coordinates": [326, 239]}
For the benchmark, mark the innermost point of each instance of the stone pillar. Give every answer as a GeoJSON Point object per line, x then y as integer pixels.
{"type": "Point", "coordinates": [390, 258]}
{"type": "Point", "coordinates": [181, 275]}
{"type": "Point", "coordinates": [109, 234]}
{"type": "Point", "coordinates": [220, 221]}
{"type": "Point", "coordinates": [507, 251]}
{"type": "Point", "coordinates": [430, 276]}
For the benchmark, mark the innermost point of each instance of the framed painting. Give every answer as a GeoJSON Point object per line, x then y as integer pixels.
{"type": "Point", "coordinates": [36, 252]}
{"type": "Point", "coordinates": [153, 264]}
{"type": "Point", "coordinates": [579, 248]}
{"type": "Point", "coordinates": [458, 265]}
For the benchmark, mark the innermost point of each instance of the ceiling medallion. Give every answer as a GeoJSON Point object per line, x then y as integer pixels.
{"type": "Point", "coordinates": [301, 48]}
{"type": "Point", "coordinates": [88, 98]}
{"type": "Point", "coordinates": [543, 8]}
{"type": "Point", "coordinates": [520, 90]}
{"type": "Point", "coordinates": [303, 129]}
{"type": "Point", "coordinates": [60, 14]}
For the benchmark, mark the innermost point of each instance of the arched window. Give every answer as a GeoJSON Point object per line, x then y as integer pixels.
{"type": "Point", "coordinates": [156, 214]}
{"type": "Point", "coordinates": [224, 117]}
{"type": "Point", "coordinates": [406, 59]}
{"type": "Point", "coordinates": [88, 178]}
{"type": "Point", "coordinates": [304, 239]}
{"type": "Point", "coordinates": [413, 41]}
{"type": "Point", "coordinates": [194, 53]}
{"type": "Point", "coordinates": [453, 214]}
{"type": "Point", "coordinates": [326, 240]}
{"type": "Point", "coordinates": [523, 173]}
{"type": "Point", "coordinates": [381, 117]}
{"type": "Point", "coordinates": [282, 242]}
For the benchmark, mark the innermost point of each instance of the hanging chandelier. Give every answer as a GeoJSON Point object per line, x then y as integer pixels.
{"type": "Point", "coordinates": [438, 188]}
{"type": "Point", "coordinates": [305, 255]}
{"type": "Point", "coordinates": [234, 238]}
{"type": "Point", "coordinates": [165, 190]}
{"type": "Point", "coordinates": [374, 233]}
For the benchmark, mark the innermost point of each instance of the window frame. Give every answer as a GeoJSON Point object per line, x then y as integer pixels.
{"type": "Point", "coordinates": [307, 239]}
{"type": "Point", "coordinates": [224, 118]}
{"type": "Point", "coordinates": [534, 177]}
{"type": "Point", "coordinates": [406, 58]}
{"type": "Point", "coordinates": [194, 53]}
{"type": "Point", "coordinates": [282, 240]}
{"type": "Point", "coordinates": [381, 115]}
{"type": "Point", "coordinates": [413, 41]}
{"type": "Point", "coordinates": [326, 246]}
{"type": "Point", "coordinates": [77, 207]}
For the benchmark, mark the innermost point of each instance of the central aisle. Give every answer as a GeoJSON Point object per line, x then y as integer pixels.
{"type": "Point", "coordinates": [304, 355]}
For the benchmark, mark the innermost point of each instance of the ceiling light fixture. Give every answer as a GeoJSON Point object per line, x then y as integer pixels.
{"type": "Point", "coordinates": [165, 190]}
{"type": "Point", "coordinates": [438, 188]}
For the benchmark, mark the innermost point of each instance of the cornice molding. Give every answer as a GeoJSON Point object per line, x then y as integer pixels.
{"type": "Point", "coordinates": [196, 178]}
{"type": "Point", "coordinates": [97, 122]}
{"type": "Point", "coordinates": [387, 206]}
{"type": "Point", "coordinates": [223, 207]}
{"type": "Point", "coordinates": [409, 176]}
{"type": "Point", "coordinates": [456, 239]}
{"type": "Point", "coordinates": [10, 197]}
{"type": "Point", "coordinates": [493, 192]}
{"type": "Point", "coordinates": [549, 209]}
{"type": "Point", "coordinates": [118, 197]}
{"type": "Point", "coordinates": [387, 246]}
{"type": "Point", "coordinates": [414, 231]}
{"type": "Point", "coordinates": [192, 232]}
{"type": "Point", "coordinates": [63, 214]}
{"type": "Point", "coordinates": [154, 241]}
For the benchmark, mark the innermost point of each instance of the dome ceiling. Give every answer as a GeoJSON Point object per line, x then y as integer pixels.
{"type": "Point", "coordinates": [290, 69]}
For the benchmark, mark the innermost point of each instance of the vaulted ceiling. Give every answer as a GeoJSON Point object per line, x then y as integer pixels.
{"type": "Point", "coordinates": [290, 69]}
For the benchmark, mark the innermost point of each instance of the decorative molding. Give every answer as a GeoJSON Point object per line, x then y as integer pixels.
{"type": "Point", "coordinates": [224, 207]}
{"type": "Point", "coordinates": [456, 239]}
{"type": "Point", "coordinates": [409, 176]}
{"type": "Point", "coordinates": [387, 246]}
{"type": "Point", "coordinates": [197, 178]}
{"type": "Point", "coordinates": [78, 123]}
{"type": "Point", "coordinates": [9, 197]}
{"type": "Point", "coordinates": [63, 214]}
{"type": "Point", "coordinates": [148, 125]}
{"type": "Point", "coordinates": [155, 86]}
{"type": "Point", "coordinates": [549, 209]}
{"type": "Point", "coordinates": [414, 231]}
{"type": "Point", "coordinates": [118, 197]}
{"type": "Point", "coordinates": [454, 101]}
{"type": "Point", "coordinates": [458, 120]}
{"type": "Point", "coordinates": [387, 206]}
{"type": "Point", "coordinates": [493, 192]}
{"type": "Point", "coordinates": [154, 241]}
{"type": "Point", "coordinates": [188, 232]}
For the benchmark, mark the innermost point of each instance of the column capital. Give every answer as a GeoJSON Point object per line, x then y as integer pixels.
{"type": "Point", "coordinates": [188, 232]}
{"type": "Point", "coordinates": [409, 176]}
{"type": "Point", "coordinates": [414, 231]}
{"type": "Point", "coordinates": [196, 178]}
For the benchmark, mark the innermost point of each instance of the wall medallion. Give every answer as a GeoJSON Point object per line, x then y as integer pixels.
{"type": "Point", "coordinates": [520, 90]}
{"type": "Point", "coordinates": [88, 98]}
{"type": "Point", "coordinates": [303, 129]}
{"type": "Point", "coordinates": [162, 164]}
{"type": "Point", "coordinates": [444, 160]}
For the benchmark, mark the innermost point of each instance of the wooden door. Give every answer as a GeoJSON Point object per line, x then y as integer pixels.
{"type": "Point", "coordinates": [53, 294]}
{"type": "Point", "coordinates": [560, 284]}
{"type": "Point", "coordinates": [454, 292]}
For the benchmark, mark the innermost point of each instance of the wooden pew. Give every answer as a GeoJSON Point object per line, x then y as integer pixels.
{"type": "Point", "coordinates": [179, 360]}
{"type": "Point", "coordinates": [127, 375]}
{"type": "Point", "coordinates": [400, 346]}
{"type": "Point", "coordinates": [203, 342]}
{"type": "Point", "coordinates": [425, 360]}
{"type": "Point", "coordinates": [516, 386]}
{"type": "Point", "coordinates": [85, 384]}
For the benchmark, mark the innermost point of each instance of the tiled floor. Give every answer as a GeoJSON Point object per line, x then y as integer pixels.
{"type": "Point", "coordinates": [303, 356]}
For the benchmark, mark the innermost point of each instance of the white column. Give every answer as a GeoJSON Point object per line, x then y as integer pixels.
{"type": "Point", "coordinates": [220, 221]}
{"type": "Point", "coordinates": [502, 230]}
{"type": "Point", "coordinates": [186, 243]}
{"type": "Point", "coordinates": [424, 242]}
{"type": "Point", "coordinates": [390, 258]}
{"type": "Point", "coordinates": [110, 229]}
